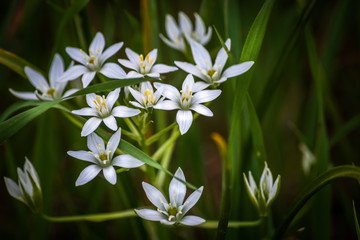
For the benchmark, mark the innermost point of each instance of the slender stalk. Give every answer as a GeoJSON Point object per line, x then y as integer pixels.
{"type": "Point", "coordinates": [231, 224]}
{"type": "Point", "coordinates": [157, 136]}
{"type": "Point", "coordinates": [92, 217]}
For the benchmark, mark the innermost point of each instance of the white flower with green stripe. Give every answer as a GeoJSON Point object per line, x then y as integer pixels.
{"type": "Point", "coordinates": [173, 212]}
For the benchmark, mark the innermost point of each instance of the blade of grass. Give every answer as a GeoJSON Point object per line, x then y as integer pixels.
{"type": "Point", "coordinates": [356, 222]}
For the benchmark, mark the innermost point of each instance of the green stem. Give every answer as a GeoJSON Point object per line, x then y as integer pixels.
{"type": "Point", "coordinates": [158, 135]}
{"type": "Point", "coordinates": [92, 217]}
{"type": "Point", "coordinates": [156, 156]}
{"type": "Point", "coordinates": [231, 224]}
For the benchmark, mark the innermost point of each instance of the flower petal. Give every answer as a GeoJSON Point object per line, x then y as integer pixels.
{"type": "Point", "coordinates": [112, 97]}
{"type": "Point", "coordinates": [184, 119]}
{"type": "Point", "coordinates": [113, 142]}
{"type": "Point", "coordinates": [162, 68]}
{"type": "Point", "coordinates": [192, 220]}
{"type": "Point", "coordinates": [133, 57]}
{"type": "Point", "coordinates": [24, 95]}
{"type": "Point", "coordinates": [110, 122]}
{"type": "Point", "coordinates": [167, 222]}
{"type": "Point", "coordinates": [137, 95]}
{"type": "Point", "coordinates": [179, 45]}
{"type": "Point", "coordinates": [150, 214]}
{"type": "Point", "coordinates": [177, 189]}
{"type": "Point", "coordinates": [201, 55]}
{"type": "Point", "coordinates": [201, 109]}
{"type": "Point", "coordinates": [86, 112]}
{"type": "Point", "coordinates": [87, 78]}
{"type": "Point", "coordinates": [36, 79]}
{"type": "Point", "coordinates": [274, 190]}
{"type": "Point", "coordinates": [155, 196]}
{"type": "Point", "coordinates": [168, 91]}
{"type": "Point", "coordinates": [153, 75]}
{"type": "Point", "coordinates": [110, 174]}
{"type": "Point", "coordinates": [77, 54]}
{"type": "Point", "coordinates": [189, 68]}
{"type": "Point", "coordinates": [124, 112]}
{"type": "Point", "coordinates": [133, 74]}
{"type": "Point", "coordinates": [70, 92]}
{"type": "Point", "coordinates": [128, 64]}
{"type": "Point", "coordinates": [83, 155]}
{"type": "Point", "coordinates": [222, 57]}
{"type": "Point", "coordinates": [238, 69]}
{"type": "Point", "coordinates": [112, 70]}
{"type": "Point", "coordinates": [136, 104]}
{"type": "Point", "coordinates": [192, 200]}
{"type": "Point", "coordinates": [56, 70]}
{"type": "Point", "coordinates": [110, 51]}
{"type": "Point", "coordinates": [93, 142]}
{"type": "Point", "coordinates": [205, 39]}
{"type": "Point", "coordinates": [91, 99]}
{"type": "Point", "coordinates": [88, 174]}
{"type": "Point", "coordinates": [127, 161]}
{"type": "Point", "coordinates": [185, 23]}
{"type": "Point", "coordinates": [98, 44]}
{"type": "Point", "coordinates": [13, 189]}
{"type": "Point", "coordinates": [188, 83]}
{"type": "Point", "coordinates": [90, 126]}
{"type": "Point", "coordinates": [167, 105]}
{"type": "Point", "coordinates": [153, 55]}
{"type": "Point", "coordinates": [205, 96]}
{"type": "Point", "coordinates": [199, 26]}
{"type": "Point", "coordinates": [172, 29]}
{"type": "Point", "coordinates": [73, 73]}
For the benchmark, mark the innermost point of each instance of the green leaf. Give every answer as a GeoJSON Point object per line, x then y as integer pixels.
{"type": "Point", "coordinates": [356, 222]}
{"type": "Point", "coordinates": [15, 63]}
{"type": "Point", "coordinates": [345, 171]}
{"type": "Point", "coordinates": [14, 124]}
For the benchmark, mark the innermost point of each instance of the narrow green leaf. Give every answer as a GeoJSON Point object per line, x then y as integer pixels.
{"type": "Point", "coordinates": [345, 129]}
{"type": "Point", "coordinates": [345, 171]}
{"type": "Point", "coordinates": [14, 62]}
{"type": "Point", "coordinates": [356, 222]}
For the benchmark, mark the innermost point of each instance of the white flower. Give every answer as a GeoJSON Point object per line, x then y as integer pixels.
{"type": "Point", "coordinates": [205, 70]}
{"type": "Point", "coordinates": [144, 66]}
{"type": "Point", "coordinates": [94, 62]}
{"type": "Point", "coordinates": [263, 196]}
{"type": "Point", "coordinates": [173, 212]}
{"type": "Point", "coordinates": [185, 101]}
{"type": "Point", "coordinates": [101, 109]}
{"type": "Point", "coordinates": [44, 91]}
{"type": "Point", "coordinates": [308, 159]}
{"type": "Point", "coordinates": [176, 33]}
{"type": "Point", "coordinates": [102, 159]}
{"type": "Point", "coordinates": [145, 97]}
{"type": "Point", "coordinates": [28, 189]}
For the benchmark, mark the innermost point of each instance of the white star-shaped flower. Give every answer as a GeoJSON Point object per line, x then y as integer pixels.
{"type": "Point", "coordinates": [173, 212]}
{"type": "Point", "coordinates": [145, 97]}
{"type": "Point", "coordinates": [189, 98]}
{"type": "Point", "coordinates": [103, 159]}
{"type": "Point", "coordinates": [176, 33]}
{"type": "Point", "coordinates": [101, 109]}
{"type": "Point", "coordinates": [144, 66]}
{"type": "Point", "coordinates": [44, 90]}
{"type": "Point", "coordinates": [205, 70]}
{"type": "Point", "coordinates": [94, 62]}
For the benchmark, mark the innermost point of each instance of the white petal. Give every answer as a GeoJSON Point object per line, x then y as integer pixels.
{"type": "Point", "coordinates": [188, 83]}
{"type": "Point", "coordinates": [113, 142]}
{"type": "Point", "coordinates": [192, 200]}
{"type": "Point", "coordinates": [36, 79]}
{"type": "Point", "coordinates": [187, 67]}
{"type": "Point", "coordinates": [77, 54]}
{"type": "Point", "coordinates": [199, 26]}
{"type": "Point", "coordinates": [90, 100]}
{"type": "Point", "coordinates": [110, 51]}
{"type": "Point", "coordinates": [93, 142]}
{"type": "Point", "coordinates": [222, 57]}
{"type": "Point", "coordinates": [166, 222]}
{"type": "Point", "coordinates": [133, 74]}
{"type": "Point", "coordinates": [56, 70]}
{"type": "Point", "coordinates": [167, 105]}
{"type": "Point", "coordinates": [205, 39]}
{"type": "Point", "coordinates": [184, 119]}
{"type": "Point", "coordinates": [110, 174]}
{"type": "Point", "coordinates": [86, 112]}
{"type": "Point", "coordinates": [24, 95]}
{"type": "Point", "coordinates": [177, 189]}
{"type": "Point", "coordinates": [112, 70]}
{"type": "Point", "coordinates": [274, 190]}
{"type": "Point", "coordinates": [154, 196]}
{"type": "Point", "coordinates": [180, 45]}
{"type": "Point", "coordinates": [237, 69]}
{"type": "Point", "coordinates": [201, 109]}
{"type": "Point", "coordinates": [124, 112]}
{"type": "Point", "coordinates": [199, 86]}
{"type": "Point", "coordinates": [133, 57]}
{"type": "Point", "coordinates": [250, 187]}
{"type": "Point", "coordinates": [127, 161]}
{"type": "Point", "coordinates": [90, 126]}
{"type": "Point", "coordinates": [153, 55]}
{"type": "Point", "coordinates": [110, 122]}
{"type": "Point", "coordinates": [70, 92]}
{"type": "Point", "coordinates": [98, 44]}
{"type": "Point", "coordinates": [185, 23]}
{"type": "Point", "coordinates": [162, 68]}
{"type": "Point", "coordinates": [88, 174]}
{"type": "Point", "coordinates": [137, 95]}
{"type": "Point", "coordinates": [112, 97]}
{"type": "Point", "coordinates": [150, 214]}
{"type": "Point", "coordinates": [192, 220]}
{"type": "Point", "coordinates": [172, 29]}
{"type": "Point", "coordinates": [13, 188]}
{"type": "Point", "coordinates": [83, 155]}
{"type": "Point", "coordinates": [153, 75]}
{"type": "Point", "coordinates": [205, 96]}
{"type": "Point", "coordinates": [168, 91]}
{"type": "Point", "coordinates": [73, 73]}
{"type": "Point", "coordinates": [201, 55]}
{"type": "Point", "coordinates": [87, 78]}
{"type": "Point", "coordinates": [136, 104]}
{"type": "Point", "coordinates": [128, 64]}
